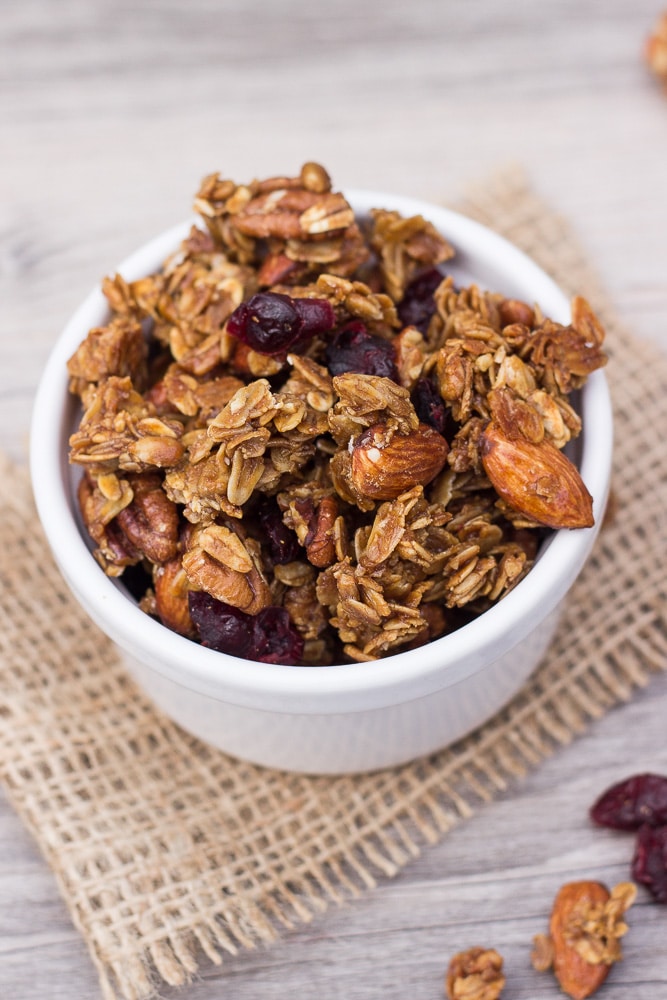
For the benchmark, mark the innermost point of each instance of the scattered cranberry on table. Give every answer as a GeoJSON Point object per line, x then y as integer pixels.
{"type": "Point", "coordinates": [640, 803]}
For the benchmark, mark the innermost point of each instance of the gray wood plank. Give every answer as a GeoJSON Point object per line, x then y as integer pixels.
{"type": "Point", "coordinates": [110, 113]}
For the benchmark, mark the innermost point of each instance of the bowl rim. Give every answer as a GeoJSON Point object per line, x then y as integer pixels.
{"type": "Point", "coordinates": [337, 688]}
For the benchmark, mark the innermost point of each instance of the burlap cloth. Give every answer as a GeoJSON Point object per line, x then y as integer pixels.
{"type": "Point", "coordinates": [166, 850]}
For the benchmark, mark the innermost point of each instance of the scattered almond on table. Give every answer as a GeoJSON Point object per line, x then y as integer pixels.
{"type": "Point", "coordinates": [585, 929]}
{"type": "Point", "coordinates": [655, 52]}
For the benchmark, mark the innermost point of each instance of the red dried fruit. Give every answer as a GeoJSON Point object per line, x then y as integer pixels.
{"type": "Point", "coordinates": [271, 322]}
{"type": "Point", "coordinates": [283, 544]}
{"type": "Point", "coordinates": [275, 638]}
{"type": "Point", "coordinates": [649, 865]}
{"type": "Point", "coordinates": [316, 315]}
{"type": "Point", "coordinates": [220, 626]}
{"type": "Point", "coordinates": [269, 636]}
{"type": "Point", "coordinates": [430, 407]}
{"type": "Point", "coordinates": [354, 349]}
{"type": "Point", "coordinates": [418, 305]}
{"type": "Point", "coordinates": [633, 802]}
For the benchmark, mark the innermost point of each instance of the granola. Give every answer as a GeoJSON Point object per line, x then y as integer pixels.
{"type": "Point", "coordinates": [305, 444]}
{"type": "Point", "coordinates": [475, 974]}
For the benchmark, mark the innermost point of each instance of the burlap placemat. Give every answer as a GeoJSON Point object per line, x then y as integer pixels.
{"type": "Point", "coordinates": [165, 850]}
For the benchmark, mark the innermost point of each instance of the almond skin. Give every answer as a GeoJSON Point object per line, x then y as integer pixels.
{"type": "Point", "coordinates": [537, 480]}
{"type": "Point", "coordinates": [384, 466]}
{"type": "Point", "coordinates": [577, 977]}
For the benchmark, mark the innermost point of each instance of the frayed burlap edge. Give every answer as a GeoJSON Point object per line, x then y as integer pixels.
{"type": "Point", "coordinates": [166, 850]}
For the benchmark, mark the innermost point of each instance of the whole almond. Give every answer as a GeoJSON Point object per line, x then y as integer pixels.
{"type": "Point", "coordinates": [577, 977]}
{"type": "Point", "coordinates": [384, 466]}
{"type": "Point", "coordinates": [537, 480]}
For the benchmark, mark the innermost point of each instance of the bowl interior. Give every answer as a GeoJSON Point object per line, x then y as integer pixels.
{"type": "Point", "coordinates": [482, 257]}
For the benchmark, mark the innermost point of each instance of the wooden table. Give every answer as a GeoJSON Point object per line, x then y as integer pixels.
{"type": "Point", "coordinates": [111, 113]}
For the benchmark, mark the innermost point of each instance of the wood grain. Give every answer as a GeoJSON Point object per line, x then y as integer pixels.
{"type": "Point", "coordinates": [111, 112]}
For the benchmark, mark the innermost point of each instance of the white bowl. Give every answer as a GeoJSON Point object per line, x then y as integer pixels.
{"type": "Point", "coordinates": [348, 717]}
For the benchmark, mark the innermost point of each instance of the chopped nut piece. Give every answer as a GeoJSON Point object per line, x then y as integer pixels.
{"type": "Point", "coordinates": [150, 520]}
{"type": "Point", "coordinates": [542, 955]}
{"type": "Point", "coordinates": [475, 974]}
{"type": "Point", "coordinates": [320, 544]}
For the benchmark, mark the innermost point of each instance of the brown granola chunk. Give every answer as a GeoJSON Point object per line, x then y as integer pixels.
{"type": "Point", "coordinates": [475, 974]}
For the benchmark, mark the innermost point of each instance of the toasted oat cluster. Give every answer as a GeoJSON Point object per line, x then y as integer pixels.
{"type": "Point", "coordinates": [302, 443]}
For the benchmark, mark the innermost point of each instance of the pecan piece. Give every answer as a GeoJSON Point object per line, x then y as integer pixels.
{"type": "Point", "coordinates": [475, 974]}
{"type": "Point", "coordinates": [320, 544]}
{"type": "Point", "coordinates": [150, 521]}
{"type": "Point", "coordinates": [410, 356]}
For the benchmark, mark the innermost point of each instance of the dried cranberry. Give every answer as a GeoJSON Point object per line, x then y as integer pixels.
{"type": "Point", "coordinates": [649, 865]}
{"type": "Point", "coordinates": [270, 322]}
{"type": "Point", "coordinates": [633, 802]}
{"type": "Point", "coordinates": [354, 349]}
{"type": "Point", "coordinates": [275, 638]}
{"type": "Point", "coordinates": [269, 636]}
{"type": "Point", "coordinates": [418, 304]}
{"type": "Point", "coordinates": [316, 315]}
{"type": "Point", "coordinates": [282, 542]}
{"type": "Point", "coordinates": [220, 626]}
{"type": "Point", "coordinates": [430, 406]}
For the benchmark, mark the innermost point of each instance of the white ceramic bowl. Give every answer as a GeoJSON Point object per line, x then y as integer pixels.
{"type": "Point", "coordinates": [348, 717]}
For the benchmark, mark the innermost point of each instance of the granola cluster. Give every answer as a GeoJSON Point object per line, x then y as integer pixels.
{"type": "Point", "coordinates": [302, 443]}
{"type": "Point", "coordinates": [475, 974]}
